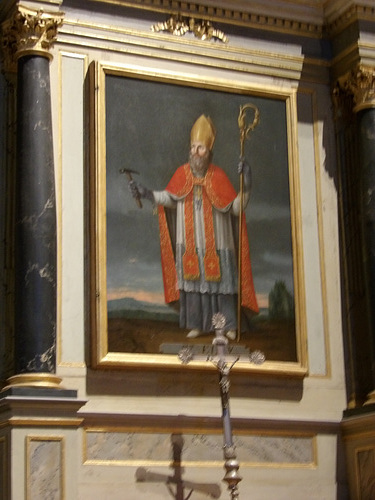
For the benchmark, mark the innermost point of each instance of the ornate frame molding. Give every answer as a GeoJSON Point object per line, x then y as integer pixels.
{"type": "Point", "coordinates": [104, 354]}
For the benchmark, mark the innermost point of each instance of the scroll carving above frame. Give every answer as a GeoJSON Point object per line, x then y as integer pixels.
{"type": "Point", "coordinates": [141, 122]}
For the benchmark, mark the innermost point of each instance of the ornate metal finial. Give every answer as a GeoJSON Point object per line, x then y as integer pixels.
{"type": "Point", "coordinates": [29, 31]}
{"type": "Point", "coordinates": [232, 477]}
{"type": "Point", "coordinates": [257, 357]}
{"type": "Point", "coordinates": [179, 26]}
{"type": "Point", "coordinates": [218, 321]}
{"type": "Point", "coordinates": [186, 355]}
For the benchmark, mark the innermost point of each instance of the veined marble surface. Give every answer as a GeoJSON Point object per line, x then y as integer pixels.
{"type": "Point", "coordinates": [45, 472]}
{"type": "Point", "coordinates": [3, 470]}
{"type": "Point", "coordinates": [159, 447]}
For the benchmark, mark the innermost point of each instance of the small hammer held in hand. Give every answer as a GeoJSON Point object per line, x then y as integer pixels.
{"type": "Point", "coordinates": [129, 173]}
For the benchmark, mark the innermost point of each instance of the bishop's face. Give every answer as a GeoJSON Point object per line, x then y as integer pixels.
{"type": "Point", "coordinates": [199, 158]}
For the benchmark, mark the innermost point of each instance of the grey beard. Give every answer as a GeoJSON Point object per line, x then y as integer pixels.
{"type": "Point", "coordinates": [199, 165]}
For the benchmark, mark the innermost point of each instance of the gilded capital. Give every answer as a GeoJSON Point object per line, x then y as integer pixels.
{"type": "Point", "coordinates": [29, 32]}
{"type": "Point", "coordinates": [360, 83]}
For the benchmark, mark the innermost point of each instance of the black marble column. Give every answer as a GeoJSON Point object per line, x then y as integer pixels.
{"type": "Point", "coordinates": [366, 141]}
{"type": "Point", "coordinates": [35, 224]}
{"type": "Point", "coordinates": [353, 98]}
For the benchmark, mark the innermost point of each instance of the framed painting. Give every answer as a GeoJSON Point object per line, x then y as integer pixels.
{"type": "Point", "coordinates": [141, 123]}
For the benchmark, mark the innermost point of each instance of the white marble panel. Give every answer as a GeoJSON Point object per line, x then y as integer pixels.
{"type": "Point", "coordinates": [161, 447]}
{"type": "Point", "coordinates": [44, 469]}
{"type": "Point", "coordinates": [365, 470]}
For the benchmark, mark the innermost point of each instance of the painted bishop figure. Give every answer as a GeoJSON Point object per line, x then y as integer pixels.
{"type": "Point", "coordinates": [199, 212]}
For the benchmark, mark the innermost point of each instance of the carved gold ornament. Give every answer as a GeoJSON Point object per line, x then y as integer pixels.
{"type": "Point", "coordinates": [363, 87]}
{"type": "Point", "coordinates": [178, 25]}
{"type": "Point", "coordinates": [360, 83]}
{"type": "Point", "coordinates": [29, 31]}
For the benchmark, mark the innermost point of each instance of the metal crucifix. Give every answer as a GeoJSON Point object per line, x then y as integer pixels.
{"type": "Point", "coordinates": [224, 362]}
{"type": "Point", "coordinates": [178, 488]}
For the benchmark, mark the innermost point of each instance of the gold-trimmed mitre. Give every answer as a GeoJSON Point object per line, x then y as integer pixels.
{"type": "Point", "coordinates": [203, 131]}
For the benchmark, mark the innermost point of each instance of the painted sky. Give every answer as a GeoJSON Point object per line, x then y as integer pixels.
{"type": "Point", "coordinates": [147, 129]}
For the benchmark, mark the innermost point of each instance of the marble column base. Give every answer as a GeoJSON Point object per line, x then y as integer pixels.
{"type": "Point", "coordinates": [30, 392]}
{"type": "Point", "coordinates": [358, 431]}
{"type": "Point", "coordinates": [43, 380]}
{"type": "Point", "coordinates": [370, 399]}
{"type": "Point", "coordinates": [40, 443]}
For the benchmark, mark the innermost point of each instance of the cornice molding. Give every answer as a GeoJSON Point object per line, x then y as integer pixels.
{"type": "Point", "coordinates": [353, 13]}
{"type": "Point", "coordinates": [313, 19]}
{"type": "Point", "coordinates": [18, 411]}
{"type": "Point", "coordinates": [228, 13]}
{"type": "Point", "coordinates": [306, 18]}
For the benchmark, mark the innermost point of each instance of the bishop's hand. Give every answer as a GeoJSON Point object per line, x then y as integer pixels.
{"type": "Point", "coordinates": [138, 191]}
{"type": "Point", "coordinates": [245, 169]}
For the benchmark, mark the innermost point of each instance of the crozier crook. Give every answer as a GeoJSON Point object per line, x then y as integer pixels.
{"type": "Point", "coordinates": [244, 134]}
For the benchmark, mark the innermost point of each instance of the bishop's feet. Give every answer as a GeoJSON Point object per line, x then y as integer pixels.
{"type": "Point", "coordinates": [193, 334]}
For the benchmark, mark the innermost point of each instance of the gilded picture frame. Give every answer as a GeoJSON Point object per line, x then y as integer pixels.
{"type": "Point", "coordinates": [140, 121]}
